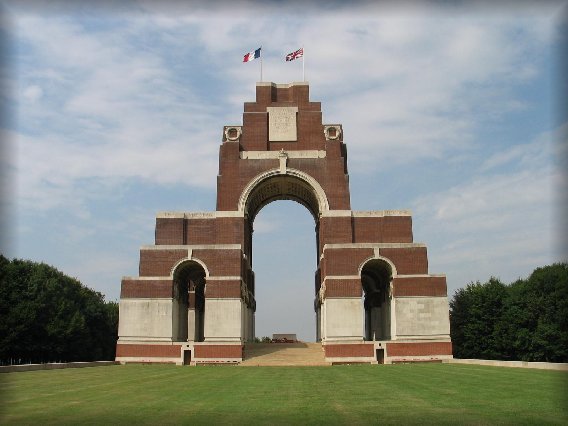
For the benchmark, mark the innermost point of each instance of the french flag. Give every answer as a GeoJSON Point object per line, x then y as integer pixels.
{"type": "Point", "coordinates": [252, 55]}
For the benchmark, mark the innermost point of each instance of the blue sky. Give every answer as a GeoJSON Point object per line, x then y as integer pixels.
{"type": "Point", "coordinates": [114, 113]}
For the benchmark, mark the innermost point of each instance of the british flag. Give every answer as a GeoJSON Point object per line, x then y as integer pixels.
{"type": "Point", "coordinates": [295, 55]}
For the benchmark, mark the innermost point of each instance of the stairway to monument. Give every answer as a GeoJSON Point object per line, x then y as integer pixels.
{"type": "Point", "coordinates": [283, 354]}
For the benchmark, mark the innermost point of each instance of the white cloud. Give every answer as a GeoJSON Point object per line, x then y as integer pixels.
{"type": "Point", "coordinates": [499, 222]}
{"type": "Point", "coordinates": [110, 98]}
{"type": "Point", "coordinates": [32, 93]}
{"type": "Point", "coordinates": [111, 112]}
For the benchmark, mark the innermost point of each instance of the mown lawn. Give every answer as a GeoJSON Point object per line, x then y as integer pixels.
{"type": "Point", "coordinates": [386, 394]}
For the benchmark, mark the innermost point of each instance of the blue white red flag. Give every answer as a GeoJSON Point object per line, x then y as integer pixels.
{"type": "Point", "coordinates": [252, 55]}
{"type": "Point", "coordinates": [295, 55]}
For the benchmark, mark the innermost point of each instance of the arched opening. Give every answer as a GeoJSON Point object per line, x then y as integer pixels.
{"type": "Point", "coordinates": [285, 259]}
{"type": "Point", "coordinates": [288, 253]}
{"type": "Point", "coordinates": [376, 276]}
{"type": "Point", "coordinates": [189, 302]}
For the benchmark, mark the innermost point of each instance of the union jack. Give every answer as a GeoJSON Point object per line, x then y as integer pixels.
{"type": "Point", "coordinates": [295, 55]}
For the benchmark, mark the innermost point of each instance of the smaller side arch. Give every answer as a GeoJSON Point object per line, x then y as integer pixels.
{"type": "Point", "coordinates": [389, 262]}
{"type": "Point", "coordinates": [376, 274]}
{"type": "Point", "coordinates": [189, 278]}
{"type": "Point", "coordinates": [187, 260]}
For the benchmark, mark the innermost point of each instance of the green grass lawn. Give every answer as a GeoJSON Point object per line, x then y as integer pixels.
{"type": "Point", "coordinates": [385, 394]}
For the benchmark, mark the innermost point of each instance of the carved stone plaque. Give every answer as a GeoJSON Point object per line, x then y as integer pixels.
{"type": "Point", "coordinates": [282, 124]}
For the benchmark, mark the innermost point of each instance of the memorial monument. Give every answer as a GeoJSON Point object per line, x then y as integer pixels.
{"type": "Point", "coordinates": [194, 299]}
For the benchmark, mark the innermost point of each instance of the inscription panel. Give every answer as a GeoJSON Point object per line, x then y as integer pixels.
{"type": "Point", "coordinates": [282, 124]}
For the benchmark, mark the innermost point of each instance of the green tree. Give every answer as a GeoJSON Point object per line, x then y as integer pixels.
{"type": "Point", "coordinates": [474, 311]}
{"type": "Point", "coordinates": [48, 316]}
{"type": "Point", "coordinates": [526, 320]}
{"type": "Point", "coordinates": [543, 331]}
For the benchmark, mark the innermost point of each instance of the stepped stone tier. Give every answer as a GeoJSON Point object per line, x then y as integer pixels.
{"type": "Point", "coordinates": [194, 299]}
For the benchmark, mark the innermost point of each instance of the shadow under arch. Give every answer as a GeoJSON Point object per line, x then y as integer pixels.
{"type": "Point", "coordinates": [189, 300]}
{"type": "Point", "coordinates": [376, 277]}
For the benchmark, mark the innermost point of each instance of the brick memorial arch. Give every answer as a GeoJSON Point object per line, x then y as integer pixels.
{"type": "Point", "coordinates": [193, 301]}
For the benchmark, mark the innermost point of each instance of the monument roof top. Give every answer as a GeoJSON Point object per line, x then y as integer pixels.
{"type": "Point", "coordinates": [282, 85]}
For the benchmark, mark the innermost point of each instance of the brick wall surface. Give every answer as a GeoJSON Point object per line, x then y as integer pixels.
{"type": "Point", "coordinates": [345, 261]}
{"type": "Point", "coordinates": [389, 229]}
{"type": "Point", "coordinates": [355, 350]}
{"type": "Point", "coordinates": [159, 263]}
{"type": "Point", "coordinates": [148, 351]}
{"type": "Point", "coordinates": [335, 230]}
{"type": "Point", "coordinates": [397, 229]}
{"type": "Point", "coordinates": [221, 262]}
{"type": "Point", "coordinates": [218, 351]}
{"type": "Point", "coordinates": [343, 288]}
{"type": "Point", "coordinates": [419, 286]}
{"type": "Point", "coordinates": [169, 231]}
{"type": "Point", "coordinates": [329, 173]}
{"type": "Point", "coordinates": [223, 289]}
{"type": "Point", "coordinates": [201, 231]}
{"type": "Point", "coordinates": [221, 230]}
{"type": "Point", "coordinates": [146, 289]}
{"type": "Point", "coordinates": [419, 349]}
{"type": "Point", "coordinates": [408, 261]}
{"type": "Point", "coordinates": [255, 131]}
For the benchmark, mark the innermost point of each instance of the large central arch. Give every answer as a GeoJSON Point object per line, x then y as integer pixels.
{"type": "Point", "coordinates": [281, 184]}
{"type": "Point", "coordinates": [278, 184]}
{"type": "Point", "coordinates": [284, 259]}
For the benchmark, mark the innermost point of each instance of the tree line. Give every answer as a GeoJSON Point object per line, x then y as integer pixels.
{"type": "Point", "coordinates": [526, 320]}
{"type": "Point", "coordinates": [47, 316]}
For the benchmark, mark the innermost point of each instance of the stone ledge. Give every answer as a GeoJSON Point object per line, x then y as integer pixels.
{"type": "Point", "coordinates": [54, 366]}
{"type": "Point", "coordinates": [366, 213]}
{"type": "Point", "coordinates": [275, 155]}
{"type": "Point", "coordinates": [192, 247]}
{"type": "Point", "coordinates": [282, 85]}
{"type": "Point", "coordinates": [198, 215]}
{"type": "Point", "coordinates": [372, 245]}
{"type": "Point", "coordinates": [516, 364]}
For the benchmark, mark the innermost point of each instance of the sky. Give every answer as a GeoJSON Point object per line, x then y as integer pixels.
{"type": "Point", "coordinates": [114, 112]}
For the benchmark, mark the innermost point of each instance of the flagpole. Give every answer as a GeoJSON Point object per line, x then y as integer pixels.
{"type": "Point", "coordinates": [261, 55]}
{"type": "Point", "coordinates": [303, 64]}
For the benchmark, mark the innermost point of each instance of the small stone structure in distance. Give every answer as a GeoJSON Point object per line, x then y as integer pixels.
{"type": "Point", "coordinates": [194, 299]}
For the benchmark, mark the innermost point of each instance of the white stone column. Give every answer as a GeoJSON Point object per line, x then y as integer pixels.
{"type": "Point", "coordinates": [376, 317]}
{"type": "Point", "coordinates": [243, 321]}
{"type": "Point", "coordinates": [393, 318]}
{"type": "Point", "coordinates": [323, 320]}
{"type": "Point", "coordinates": [191, 325]}
{"type": "Point", "coordinates": [251, 323]}
{"type": "Point", "coordinates": [318, 323]}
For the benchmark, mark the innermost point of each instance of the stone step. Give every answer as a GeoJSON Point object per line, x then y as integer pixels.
{"type": "Point", "coordinates": [283, 354]}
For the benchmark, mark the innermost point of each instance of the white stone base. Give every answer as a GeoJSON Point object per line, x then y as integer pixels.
{"type": "Point", "coordinates": [343, 319]}
{"type": "Point", "coordinates": [422, 316]}
{"type": "Point", "coordinates": [223, 320]}
{"type": "Point", "coordinates": [150, 319]}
